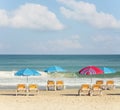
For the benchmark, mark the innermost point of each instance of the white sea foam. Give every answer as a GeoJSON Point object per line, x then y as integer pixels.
{"type": "Point", "coordinates": [8, 78]}
{"type": "Point", "coordinates": [11, 74]}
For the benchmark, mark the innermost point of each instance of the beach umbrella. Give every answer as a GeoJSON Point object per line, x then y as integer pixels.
{"type": "Point", "coordinates": [53, 69]}
{"type": "Point", "coordinates": [91, 70]}
{"type": "Point", "coordinates": [27, 72]}
{"type": "Point", "coordinates": [108, 70]}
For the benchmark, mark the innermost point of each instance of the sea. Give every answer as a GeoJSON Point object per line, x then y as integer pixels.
{"type": "Point", "coordinates": [10, 64]}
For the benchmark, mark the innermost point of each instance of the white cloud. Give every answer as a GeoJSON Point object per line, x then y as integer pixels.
{"type": "Point", "coordinates": [106, 43]}
{"type": "Point", "coordinates": [58, 45]}
{"type": "Point", "coordinates": [30, 16]}
{"type": "Point", "coordinates": [83, 11]}
{"type": "Point", "coordinates": [3, 18]}
{"type": "Point", "coordinates": [109, 40]}
{"type": "Point", "coordinates": [65, 44]}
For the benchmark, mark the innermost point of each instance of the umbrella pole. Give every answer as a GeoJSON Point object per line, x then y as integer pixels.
{"type": "Point", "coordinates": [27, 80]}
{"type": "Point", "coordinates": [91, 80]}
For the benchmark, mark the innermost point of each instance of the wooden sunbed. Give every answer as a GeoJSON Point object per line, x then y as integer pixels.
{"type": "Point", "coordinates": [59, 85]}
{"type": "Point", "coordinates": [33, 89]}
{"type": "Point", "coordinates": [110, 84]}
{"type": "Point", "coordinates": [21, 89]}
{"type": "Point", "coordinates": [50, 85]}
{"type": "Point", "coordinates": [84, 89]}
{"type": "Point", "coordinates": [96, 90]}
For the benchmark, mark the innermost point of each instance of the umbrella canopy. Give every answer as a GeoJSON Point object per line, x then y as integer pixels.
{"type": "Point", "coordinates": [108, 70]}
{"type": "Point", "coordinates": [90, 70]}
{"type": "Point", "coordinates": [27, 72]}
{"type": "Point", "coordinates": [54, 69]}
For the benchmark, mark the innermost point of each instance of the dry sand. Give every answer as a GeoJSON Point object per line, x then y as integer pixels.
{"type": "Point", "coordinates": [60, 100]}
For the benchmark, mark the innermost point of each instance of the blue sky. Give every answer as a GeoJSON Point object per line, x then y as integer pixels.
{"type": "Point", "coordinates": [59, 27]}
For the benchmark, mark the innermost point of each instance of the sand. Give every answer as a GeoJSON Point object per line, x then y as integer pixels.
{"type": "Point", "coordinates": [60, 100]}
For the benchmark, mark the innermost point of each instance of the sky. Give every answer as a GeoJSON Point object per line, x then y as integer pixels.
{"type": "Point", "coordinates": [59, 27]}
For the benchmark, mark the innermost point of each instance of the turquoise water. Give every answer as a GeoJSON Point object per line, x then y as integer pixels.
{"type": "Point", "coordinates": [71, 63]}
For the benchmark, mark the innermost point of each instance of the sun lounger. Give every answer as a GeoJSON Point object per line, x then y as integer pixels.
{"type": "Point", "coordinates": [96, 90]}
{"type": "Point", "coordinates": [84, 89]}
{"type": "Point", "coordinates": [101, 83]}
{"type": "Point", "coordinates": [33, 89]}
{"type": "Point", "coordinates": [110, 84]}
{"type": "Point", "coordinates": [21, 89]}
{"type": "Point", "coordinates": [50, 85]}
{"type": "Point", "coordinates": [59, 85]}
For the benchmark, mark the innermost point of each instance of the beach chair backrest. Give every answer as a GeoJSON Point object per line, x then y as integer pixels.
{"type": "Point", "coordinates": [96, 87]}
{"type": "Point", "coordinates": [33, 86]}
{"type": "Point", "coordinates": [59, 82]}
{"type": "Point", "coordinates": [85, 86]}
{"type": "Point", "coordinates": [110, 82]}
{"type": "Point", "coordinates": [99, 82]}
{"type": "Point", "coordinates": [50, 82]}
{"type": "Point", "coordinates": [21, 86]}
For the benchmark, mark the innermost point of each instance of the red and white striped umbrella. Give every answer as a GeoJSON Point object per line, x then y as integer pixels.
{"type": "Point", "coordinates": [91, 70]}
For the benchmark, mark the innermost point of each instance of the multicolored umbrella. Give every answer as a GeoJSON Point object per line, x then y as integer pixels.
{"type": "Point", "coordinates": [91, 70]}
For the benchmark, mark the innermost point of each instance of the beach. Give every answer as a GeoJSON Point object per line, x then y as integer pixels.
{"type": "Point", "coordinates": [66, 99]}
{"type": "Point", "coordinates": [60, 100]}
{"type": "Point", "coordinates": [69, 46]}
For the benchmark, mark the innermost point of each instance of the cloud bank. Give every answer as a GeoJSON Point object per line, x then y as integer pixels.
{"type": "Point", "coordinates": [61, 45]}
{"type": "Point", "coordinates": [87, 12]}
{"type": "Point", "coordinates": [30, 15]}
